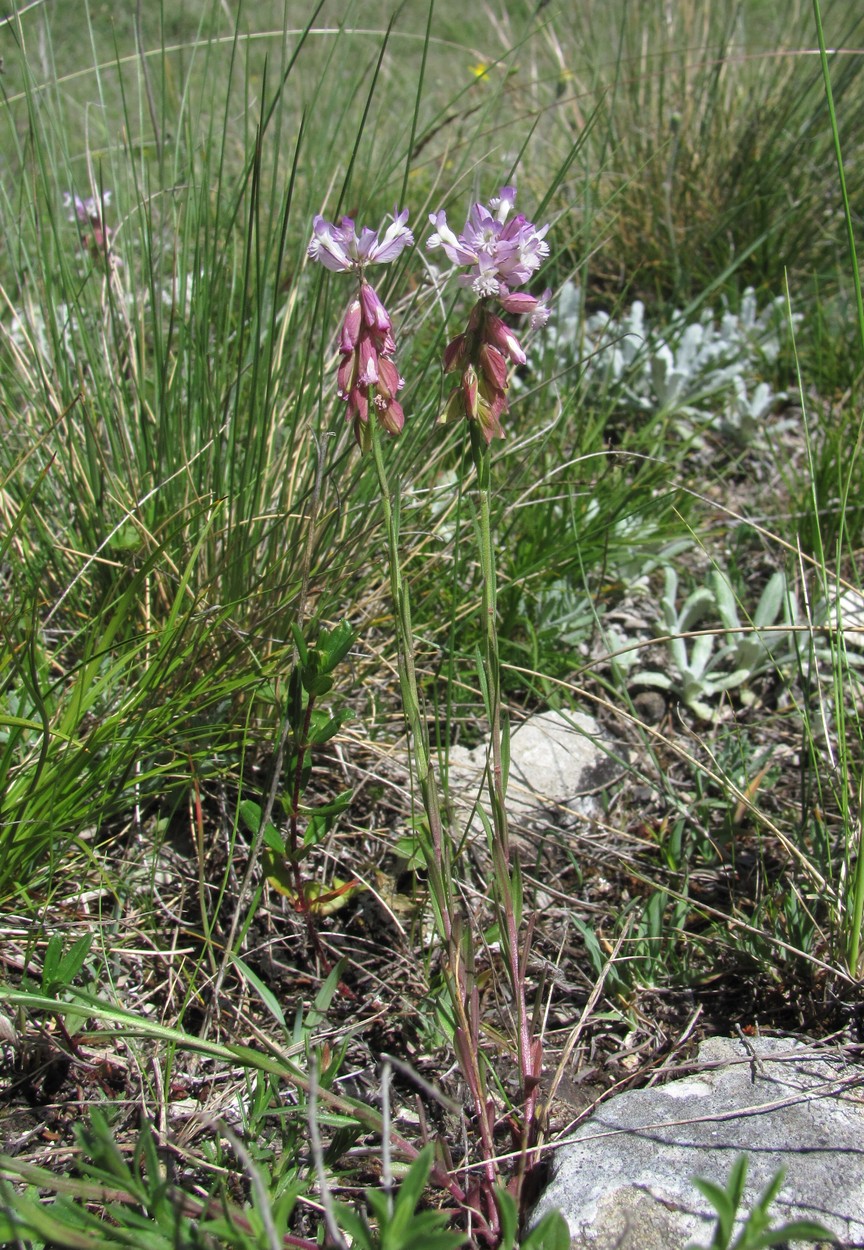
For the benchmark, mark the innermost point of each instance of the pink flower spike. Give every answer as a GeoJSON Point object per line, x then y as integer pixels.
{"type": "Point", "coordinates": [89, 210]}
{"type": "Point", "coordinates": [500, 250]}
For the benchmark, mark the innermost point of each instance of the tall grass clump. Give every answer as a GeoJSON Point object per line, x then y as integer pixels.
{"type": "Point", "coordinates": [710, 159]}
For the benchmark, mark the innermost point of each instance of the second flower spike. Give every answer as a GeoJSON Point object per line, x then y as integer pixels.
{"type": "Point", "coordinates": [367, 377]}
{"type": "Point", "coordinates": [501, 252]}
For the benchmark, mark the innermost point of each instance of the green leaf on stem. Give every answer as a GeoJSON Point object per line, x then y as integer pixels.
{"type": "Point", "coordinates": [323, 726]}
{"type": "Point", "coordinates": [250, 817]}
{"type": "Point", "coordinates": [300, 643]}
{"type": "Point", "coordinates": [316, 684]}
{"type": "Point", "coordinates": [331, 808]}
{"type": "Point", "coordinates": [334, 644]}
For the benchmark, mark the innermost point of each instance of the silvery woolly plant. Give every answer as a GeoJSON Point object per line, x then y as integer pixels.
{"type": "Point", "coordinates": [704, 663]}
{"type": "Point", "coordinates": [703, 374]}
{"type": "Point", "coordinates": [498, 251]}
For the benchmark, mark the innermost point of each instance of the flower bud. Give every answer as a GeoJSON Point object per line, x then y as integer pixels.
{"type": "Point", "coordinates": [368, 370]}
{"type": "Point", "coordinates": [502, 337]}
{"type": "Point", "coordinates": [494, 366]}
{"type": "Point", "coordinates": [454, 409]}
{"type": "Point", "coordinates": [454, 354]}
{"type": "Point", "coordinates": [469, 391]}
{"type": "Point", "coordinates": [390, 415]}
{"type": "Point", "coordinates": [389, 381]}
{"type": "Point", "coordinates": [346, 377]}
{"type": "Point", "coordinates": [518, 302]}
{"type": "Point", "coordinates": [350, 328]}
{"type": "Point", "coordinates": [375, 314]}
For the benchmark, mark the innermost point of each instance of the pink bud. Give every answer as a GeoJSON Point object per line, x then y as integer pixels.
{"type": "Point", "coordinates": [502, 337]}
{"type": "Point", "coordinates": [368, 371]}
{"type": "Point", "coordinates": [491, 404]}
{"type": "Point", "coordinates": [454, 354]}
{"type": "Point", "coordinates": [346, 376]}
{"type": "Point", "coordinates": [374, 313]}
{"type": "Point", "coordinates": [494, 366]}
{"type": "Point", "coordinates": [358, 405]}
{"type": "Point", "coordinates": [469, 391]}
{"type": "Point", "coordinates": [518, 302]}
{"type": "Point", "coordinates": [389, 381]}
{"type": "Point", "coordinates": [351, 327]}
{"type": "Point", "coordinates": [390, 416]}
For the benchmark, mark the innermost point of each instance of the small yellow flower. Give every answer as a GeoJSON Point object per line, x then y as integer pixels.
{"type": "Point", "coordinates": [480, 69]}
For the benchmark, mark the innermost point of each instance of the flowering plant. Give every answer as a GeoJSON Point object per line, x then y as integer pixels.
{"type": "Point", "coordinates": [501, 252]}
{"type": "Point", "coordinates": [366, 372]}
{"type": "Point", "coordinates": [91, 212]}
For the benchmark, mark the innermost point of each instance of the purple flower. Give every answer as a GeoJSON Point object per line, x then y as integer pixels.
{"type": "Point", "coordinates": [86, 211]}
{"type": "Point", "coordinates": [501, 251]}
{"type": "Point", "coordinates": [89, 212]}
{"type": "Point", "coordinates": [367, 380]}
{"type": "Point", "coordinates": [340, 248]}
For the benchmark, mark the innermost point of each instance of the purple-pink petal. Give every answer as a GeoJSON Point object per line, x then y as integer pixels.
{"type": "Point", "coordinates": [396, 237]}
{"type": "Point", "coordinates": [327, 247]}
{"type": "Point", "coordinates": [338, 247]}
{"type": "Point", "coordinates": [502, 250]}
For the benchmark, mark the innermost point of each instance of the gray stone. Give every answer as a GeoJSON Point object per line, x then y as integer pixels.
{"type": "Point", "coordinates": [557, 761]}
{"type": "Point", "coordinates": [625, 1182]}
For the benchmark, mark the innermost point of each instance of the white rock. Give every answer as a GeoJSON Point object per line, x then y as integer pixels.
{"type": "Point", "coordinates": [557, 761]}
{"type": "Point", "coordinates": [626, 1181]}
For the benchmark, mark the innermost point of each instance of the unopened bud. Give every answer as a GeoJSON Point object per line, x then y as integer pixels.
{"type": "Point", "coordinates": [374, 313]}
{"type": "Point", "coordinates": [502, 337]}
{"type": "Point", "coordinates": [351, 328]}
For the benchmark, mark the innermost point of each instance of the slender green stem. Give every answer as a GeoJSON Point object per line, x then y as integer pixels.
{"type": "Point", "coordinates": [503, 883]}
{"type": "Point", "coordinates": [460, 981]}
{"type": "Point", "coordinates": [853, 930]}
{"type": "Point", "coordinates": [480, 453]}
{"type": "Point", "coordinates": [437, 863]}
